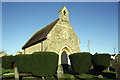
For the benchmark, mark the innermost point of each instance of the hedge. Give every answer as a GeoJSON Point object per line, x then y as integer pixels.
{"type": "Point", "coordinates": [45, 63]}
{"type": "Point", "coordinates": [101, 61]}
{"type": "Point", "coordinates": [80, 62]}
{"type": "Point", "coordinates": [23, 63]}
{"type": "Point", "coordinates": [8, 62]}
{"type": "Point", "coordinates": [38, 63]}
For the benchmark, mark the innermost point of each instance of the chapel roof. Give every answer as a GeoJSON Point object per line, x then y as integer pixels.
{"type": "Point", "coordinates": [40, 35]}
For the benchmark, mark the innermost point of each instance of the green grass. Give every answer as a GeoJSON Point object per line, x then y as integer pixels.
{"type": "Point", "coordinates": [35, 78]}
{"type": "Point", "coordinates": [91, 77]}
{"type": "Point", "coordinates": [86, 76]}
{"type": "Point", "coordinates": [109, 71]}
{"type": "Point", "coordinates": [31, 78]}
{"type": "Point", "coordinates": [6, 76]}
{"type": "Point", "coordinates": [3, 71]}
{"type": "Point", "coordinates": [68, 76]}
{"type": "Point", "coordinates": [97, 79]}
{"type": "Point", "coordinates": [107, 75]}
{"type": "Point", "coordinates": [6, 70]}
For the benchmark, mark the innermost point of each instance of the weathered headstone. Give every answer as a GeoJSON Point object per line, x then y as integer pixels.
{"type": "Point", "coordinates": [60, 74]}
{"type": "Point", "coordinates": [118, 67]}
{"type": "Point", "coordinates": [16, 74]}
{"type": "Point", "coordinates": [43, 78]}
{"type": "Point", "coordinates": [71, 78]}
{"type": "Point", "coordinates": [100, 76]}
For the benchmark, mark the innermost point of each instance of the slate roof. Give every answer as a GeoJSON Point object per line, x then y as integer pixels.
{"type": "Point", "coordinates": [40, 35]}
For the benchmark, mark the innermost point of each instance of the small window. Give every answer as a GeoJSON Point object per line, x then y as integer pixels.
{"type": "Point", "coordinates": [64, 12]}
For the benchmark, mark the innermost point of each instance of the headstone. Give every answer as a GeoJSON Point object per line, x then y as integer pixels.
{"type": "Point", "coordinates": [118, 67]}
{"type": "Point", "coordinates": [16, 74]}
{"type": "Point", "coordinates": [108, 69]}
{"type": "Point", "coordinates": [60, 74]}
{"type": "Point", "coordinates": [112, 63]}
{"type": "Point", "coordinates": [100, 76]}
{"type": "Point", "coordinates": [71, 78]}
{"type": "Point", "coordinates": [43, 78]}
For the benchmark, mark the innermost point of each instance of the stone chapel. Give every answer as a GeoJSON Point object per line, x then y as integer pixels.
{"type": "Point", "coordinates": [58, 37]}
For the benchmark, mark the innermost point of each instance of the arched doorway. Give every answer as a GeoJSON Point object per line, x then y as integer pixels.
{"type": "Point", "coordinates": [64, 58]}
{"type": "Point", "coordinates": [64, 61]}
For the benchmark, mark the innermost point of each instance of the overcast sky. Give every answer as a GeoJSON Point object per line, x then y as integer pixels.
{"type": "Point", "coordinates": [94, 21]}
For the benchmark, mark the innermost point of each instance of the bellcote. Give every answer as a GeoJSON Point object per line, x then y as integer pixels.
{"type": "Point", "coordinates": [64, 14]}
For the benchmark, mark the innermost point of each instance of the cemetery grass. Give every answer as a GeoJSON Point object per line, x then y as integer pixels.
{"type": "Point", "coordinates": [106, 76]}
{"type": "Point", "coordinates": [3, 71]}
{"type": "Point", "coordinates": [66, 77]}
{"type": "Point", "coordinates": [91, 77]}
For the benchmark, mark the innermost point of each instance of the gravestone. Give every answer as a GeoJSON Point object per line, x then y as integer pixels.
{"type": "Point", "coordinates": [60, 74]}
{"type": "Point", "coordinates": [16, 74]}
{"type": "Point", "coordinates": [100, 76]}
{"type": "Point", "coordinates": [43, 78]}
{"type": "Point", "coordinates": [118, 67]}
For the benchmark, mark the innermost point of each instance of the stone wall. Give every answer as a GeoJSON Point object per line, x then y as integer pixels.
{"type": "Point", "coordinates": [62, 37]}
{"type": "Point", "coordinates": [34, 48]}
{"type": "Point", "coordinates": [62, 34]}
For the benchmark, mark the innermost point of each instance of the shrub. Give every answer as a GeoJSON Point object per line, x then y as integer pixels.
{"type": "Point", "coordinates": [38, 63]}
{"type": "Point", "coordinates": [44, 63]}
{"type": "Point", "coordinates": [101, 61]}
{"type": "Point", "coordinates": [80, 62]}
{"type": "Point", "coordinates": [7, 62]}
{"type": "Point", "coordinates": [23, 63]}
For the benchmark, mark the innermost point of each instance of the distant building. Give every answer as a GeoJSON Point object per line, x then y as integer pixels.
{"type": "Point", "coordinates": [3, 54]}
{"type": "Point", "coordinates": [113, 56]}
{"type": "Point", "coordinates": [58, 37]}
{"type": "Point", "coordinates": [19, 52]}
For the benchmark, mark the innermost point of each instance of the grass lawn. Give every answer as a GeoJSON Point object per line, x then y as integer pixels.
{"type": "Point", "coordinates": [106, 76]}
{"type": "Point", "coordinates": [66, 77]}
{"type": "Point", "coordinates": [6, 76]}
{"type": "Point", "coordinates": [90, 77]}
{"type": "Point", "coordinates": [6, 71]}
{"type": "Point", "coordinates": [11, 76]}
{"type": "Point", "coordinates": [3, 71]}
